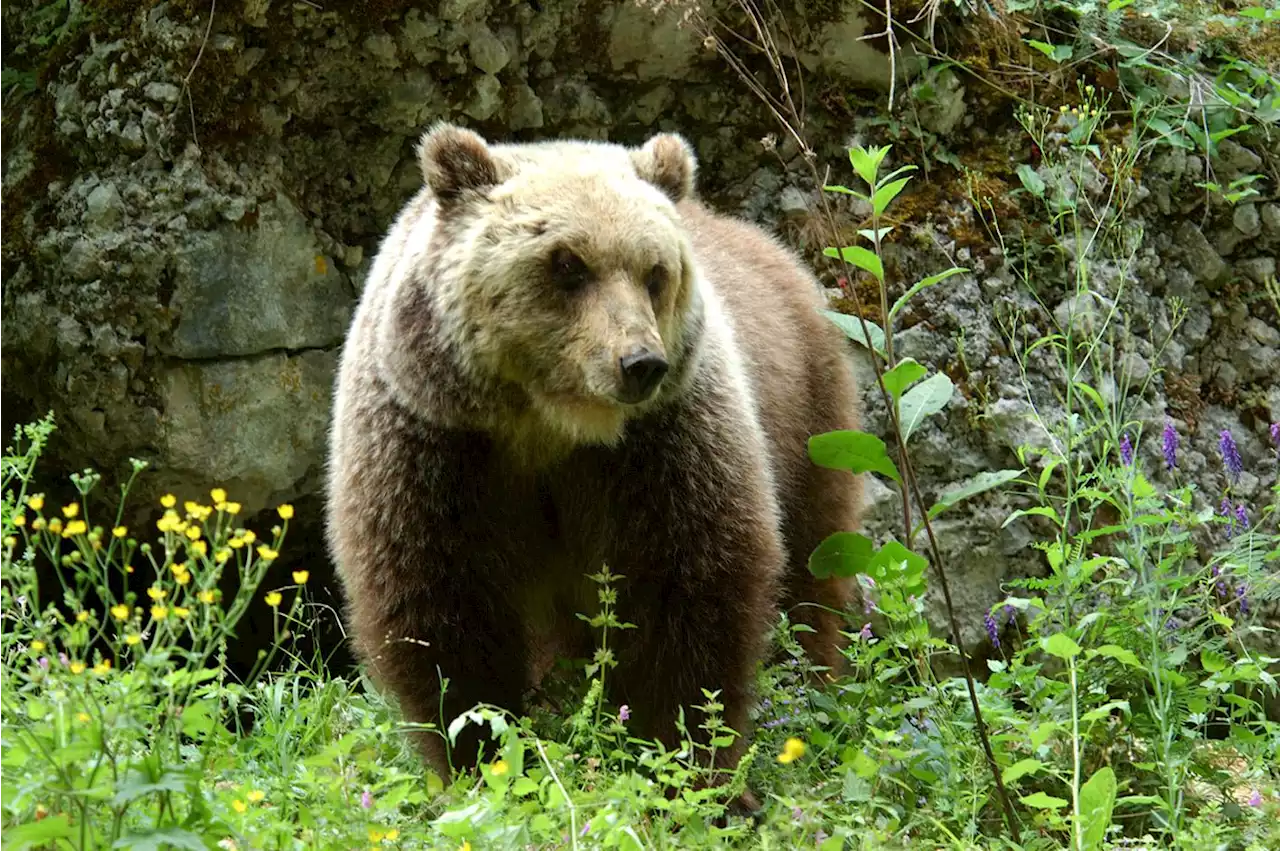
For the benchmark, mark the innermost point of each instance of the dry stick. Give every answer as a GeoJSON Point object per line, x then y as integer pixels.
{"type": "Point", "coordinates": [911, 487]}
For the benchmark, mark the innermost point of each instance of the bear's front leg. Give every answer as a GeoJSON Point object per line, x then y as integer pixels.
{"type": "Point", "coordinates": [694, 529]}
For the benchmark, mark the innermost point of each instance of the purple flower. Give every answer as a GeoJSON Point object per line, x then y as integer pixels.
{"type": "Point", "coordinates": [1126, 450]}
{"type": "Point", "coordinates": [1224, 510]}
{"type": "Point", "coordinates": [1242, 516]}
{"type": "Point", "coordinates": [865, 632]}
{"type": "Point", "coordinates": [43, 662]}
{"type": "Point", "coordinates": [1243, 600]}
{"type": "Point", "coordinates": [1275, 434]}
{"type": "Point", "coordinates": [1230, 455]}
{"type": "Point", "coordinates": [62, 657]}
{"type": "Point", "coordinates": [992, 632]}
{"type": "Point", "coordinates": [624, 713]}
{"type": "Point", "coordinates": [797, 813]}
{"type": "Point", "coordinates": [821, 836]}
{"type": "Point", "coordinates": [586, 827]}
{"type": "Point", "coordinates": [1255, 800]}
{"type": "Point", "coordinates": [366, 799]}
{"type": "Point", "coordinates": [1169, 445]}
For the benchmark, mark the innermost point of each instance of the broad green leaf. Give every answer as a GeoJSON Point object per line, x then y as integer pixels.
{"type": "Point", "coordinates": [165, 837]}
{"type": "Point", "coordinates": [907, 372]}
{"type": "Point", "coordinates": [894, 557]}
{"type": "Point", "coordinates": [864, 766]}
{"type": "Point", "coordinates": [40, 833]}
{"type": "Point", "coordinates": [136, 785]}
{"type": "Point", "coordinates": [925, 399]}
{"type": "Point", "coordinates": [1021, 768]}
{"type": "Point", "coordinates": [919, 285]}
{"type": "Point", "coordinates": [1041, 801]}
{"type": "Point", "coordinates": [1120, 654]}
{"type": "Point", "coordinates": [1031, 180]}
{"type": "Point", "coordinates": [885, 194]}
{"type": "Point", "coordinates": [1038, 511]}
{"type": "Point", "coordinates": [1041, 734]}
{"type": "Point", "coordinates": [978, 484]}
{"type": "Point", "coordinates": [1061, 645]}
{"type": "Point", "coordinates": [863, 258]}
{"type": "Point", "coordinates": [852, 328]}
{"type": "Point", "coordinates": [866, 161]}
{"type": "Point", "coordinates": [1056, 52]}
{"type": "Point", "coordinates": [855, 451]}
{"type": "Point", "coordinates": [1213, 661]}
{"type": "Point", "coordinates": [1117, 5]}
{"type": "Point", "coordinates": [1097, 800]}
{"type": "Point", "coordinates": [842, 554]}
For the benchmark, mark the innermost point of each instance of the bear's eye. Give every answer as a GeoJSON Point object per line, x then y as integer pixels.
{"type": "Point", "coordinates": [568, 269]}
{"type": "Point", "coordinates": [656, 280]}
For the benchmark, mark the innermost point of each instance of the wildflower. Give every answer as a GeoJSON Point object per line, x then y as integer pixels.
{"type": "Point", "coordinates": [366, 799]}
{"type": "Point", "coordinates": [1230, 455]}
{"type": "Point", "coordinates": [1275, 434]}
{"type": "Point", "coordinates": [285, 511]}
{"type": "Point", "coordinates": [55, 526]}
{"type": "Point", "coordinates": [865, 633]}
{"type": "Point", "coordinates": [181, 611]}
{"type": "Point", "coordinates": [255, 796]}
{"type": "Point", "coordinates": [1255, 800]}
{"type": "Point", "coordinates": [375, 835]}
{"type": "Point", "coordinates": [273, 599]}
{"type": "Point", "coordinates": [1169, 445]}
{"type": "Point", "coordinates": [70, 510]}
{"type": "Point", "coordinates": [301, 576]}
{"type": "Point", "coordinates": [624, 713]}
{"type": "Point", "coordinates": [20, 520]}
{"type": "Point", "coordinates": [36, 502]}
{"type": "Point", "coordinates": [1242, 516]}
{"type": "Point", "coordinates": [499, 768]}
{"type": "Point", "coordinates": [1126, 450]}
{"type": "Point", "coordinates": [132, 639]}
{"type": "Point", "coordinates": [119, 531]}
{"type": "Point", "coordinates": [792, 750]}
{"type": "Point", "coordinates": [232, 508]}
{"type": "Point", "coordinates": [222, 556]}
{"type": "Point", "coordinates": [76, 667]}
{"type": "Point", "coordinates": [392, 835]}
{"type": "Point", "coordinates": [466, 846]}
{"type": "Point", "coordinates": [37, 645]}
{"type": "Point", "coordinates": [218, 495]}
{"type": "Point", "coordinates": [205, 596]}
{"type": "Point", "coordinates": [83, 717]}
{"type": "Point", "coordinates": [193, 532]}
{"type": "Point", "coordinates": [75, 527]}
{"type": "Point", "coordinates": [249, 536]}
{"type": "Point", "coordinates": [120, 611]}
{"type": "Point", "coordinates": [236, 542]}
{"type": "Point", "coordinates": [156, 593]}
{"type": "Point", "coordinates": [267, 553]}
{"type": "Point", "coordinates": [38, 524]}
{"type": "Point", "coordinates": [183, 578]}
{"type": "Point", "coordinates": [200, 547]}
{"type": "Point", "coordinates": [1224, 510]}
{"type": "Point", "coordinates": [993, 631]}
{"type": "Point", "coordinates": [102, 667]}
{"type": "Point", "coordinates": [159, 612]}
{"type": "Point", "coordinates": [239, 805]}
{"type": "Point", "coordinates": [10, 541]}
{"type": "Point", "coordinates": [43, 662]}
{"type": "Point", "coordinates": [82, 616]}
{"type": "Point", "coordinates": [168, 500]}
{"type": "Point", "coordinates": [1242, 599]}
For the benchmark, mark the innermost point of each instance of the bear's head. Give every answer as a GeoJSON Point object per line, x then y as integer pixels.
{"type": "Point", "coordinates": [563, 269]}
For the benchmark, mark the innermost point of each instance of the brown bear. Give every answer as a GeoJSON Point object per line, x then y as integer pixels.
{"type": "Point", "coordinates": [563, 360]}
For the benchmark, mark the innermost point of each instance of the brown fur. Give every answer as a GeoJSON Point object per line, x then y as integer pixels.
{"type": "Point", "coordinates": [481, 464]}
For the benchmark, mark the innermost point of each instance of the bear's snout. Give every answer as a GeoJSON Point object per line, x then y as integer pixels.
{"type": "Point", "coordinates": [642, 371]}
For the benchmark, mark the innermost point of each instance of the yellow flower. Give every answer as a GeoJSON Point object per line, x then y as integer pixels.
{"type": "Point", "coordinates": [218, 494]}
{"type": "Point", "coordinates": [238, 805]}
{"type": "Point", "coordinates": [193, 532]}
{"type": "Point", "coordinates": [76, 667]}
{"type": "Point", "coordinates": [232, 508]}
{"type": "Point", "coordinates": [75, 527]}
{"type": "Point", "coordinates": [55, 526]}
{"type": "Point", "coordinates": [200, 547]}
{"type": "Point", "coordinates": [71, 510]}
{"type": "Point", "coordinates": [792, 750]}
{"type": "Point", "coordinates": [157, 593]}
{"type": "Point", "coordinates": [168, 500]}
{"type": "Point", "coordinates": [132, 638]}
{"type": "Point", "coordinates": [181, 611]}
{"type": "Point", "coordinates": [301, 576]}
{"type": "Point", "coordinates": [236, 543]}
{"type": "Point", "coordinates": [206, 596]}
{"type": "Point", "coordinates": [37, 645]}
{"type": "Point", "coordinates": [393, 835]}
{"type": "Point", "coordinates": [499, 768]}
{"type": "Point", "coordinates": [375, 835]}
{"type": "Point", "coordinates": [178, 568]}
{"type": "Point", "coordinates": [249, 536]}
{"type": "Point", "coordinates": [20, 520]}
{"type": "Point", "coordinates": [255, 796]}
{"type": "Point", "coordinates": [83, 717]}
{"type": "Point", "coordinates": [10, 541]}
{"type": "Point", "coordinates": [466, 846]}
{"type": "Point", "coordinates": [120, 611]}
{"type": "Point", "coordinates": [285, 511]}
{"type": "Point", "coordinates": [38, 524]}
{"type": "Point", "coordinates": [81, 617]}
{"type": "Point", "coordinates": [183, 578]}
{"type": "Point", "coordinates": [36, 502]}
{"type": "Point", "coordinates": [102, 667]}
{"type": "Point", "coordinates": [222, 555]}
{"type": "Point", "coordinates": [159, 612]}
{"type": "Point", "coordinates": [267, 553]}
{"type": "Point", "coordinates": [273, 599]}
{"type": "Point", "coordinates": [169, 522]}
{"type": "Point", "coordinates": [120, 531]}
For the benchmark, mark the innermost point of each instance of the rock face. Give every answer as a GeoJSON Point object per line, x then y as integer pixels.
{"type": "Point", "coordinates": [190, 207]}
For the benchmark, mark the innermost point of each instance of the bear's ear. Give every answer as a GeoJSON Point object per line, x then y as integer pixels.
{"type": "Point", "coordinates": [455, 161]}
{"type": "Point", "coordinates": [668, 162]}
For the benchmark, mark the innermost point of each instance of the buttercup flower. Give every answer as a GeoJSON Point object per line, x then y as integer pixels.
{"type": "Point", "coordinates": [792, 750]}
{"type": "Point", "coordinates": [285, 511]}
{"type": "Point", "coordinates": [71, 510]}
{"type": "Point", "coordinates": [301, 576]}
{"type": "Point", "coordinates": [239, 805]}
{"type": "Point", "coordinates": [36, 502]}
{"type": "Point", "coordinates": [273, 599]}
{"type": "Point", "coordinates": [120, 611]}
{"type": "Point", "coordinates": [255, 796]}
{"type": "Point", "coordinates": [159, 612]}
{"type": "Point", "coordinates": [218, 495]}
{"type": "Point", "coordinates": [120, 531]}
{"type": "Point", "coordinates": [266, 553]}
{"type": "Point", "coordinates": [76, 667]}
{"type": "Point", "coordinates": [37, 645]}
{"type": "Point", "coordinates": [168, 500]}
{"type": "Point", "coordinates": [499, 768]}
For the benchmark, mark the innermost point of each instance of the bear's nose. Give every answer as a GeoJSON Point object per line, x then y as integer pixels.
{"type": "Point", "coordinates": [642, 369]}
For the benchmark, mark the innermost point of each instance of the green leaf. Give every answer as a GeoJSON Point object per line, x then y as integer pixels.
{"type": "Point", "coordinates": [874, 234]}
{"type": "Point", "coordinates": [844, 190]}
{"type": "Point", "coordinates": [1021, 768]}
{"type": "Point", "coordinates": [855, 451]}
{"type": "Point", "coordinates": [886, 193]}
{"type": "Point", "coordinates": [1117, 5]}
{"type": "Point", "coordinates": [1093, 395]}
{"type": "Point", "coordinates": [165, 837]}
{"type": "Point", "coordinates": [864, 766]}
{"type": "Point", "coordinates": [1120, 654]}
{"type": "Point", "coordinates": [907, 372]}
{"type": "Point", "coordinates": [1060, 644]}
{"type": "Point", "coordinates": [866, 161]}
{"type": "Point", "coordinates": [894, 558]}
{"type": "Point", "coordinates": [1056, 52]}
{"type": "Point", "coordinates": [1031, 180]}
{"type": "Point", "coordinates": [861, 257]}
{"type": "Point", "coordinates": [980, 483]}
{"type": "Point", "coordinates": [925, 399]}
{"type": "Point", "coordinates": [1097, 800]}
{"type": "Point", "coordinates": [1038, 511]}
{"type": "Point", "coordinates": [1213, 661]}
{"type": "Point", "coordinates": [852, 328]}
{"type": "Point", "coordinates": [137, 784]}
{"type": "Point", "coordinates": [842, 554]}
{"type": "Point", "coordinates": [1041, 801]}
{"type": "Point", "coordinates": [1041, 734]}
{"type": "Point", "coordinates": [38, 833]}
{"type": "Point", "coordinates": [920, 285]}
